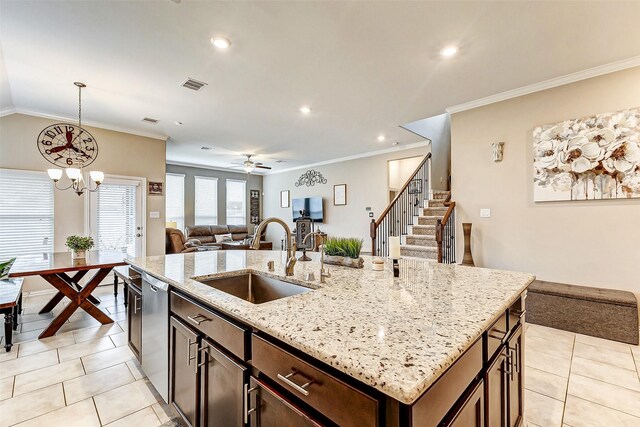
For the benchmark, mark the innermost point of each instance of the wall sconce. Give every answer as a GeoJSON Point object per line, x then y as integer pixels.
{"type": "Point", "coordinates": [498, 151]}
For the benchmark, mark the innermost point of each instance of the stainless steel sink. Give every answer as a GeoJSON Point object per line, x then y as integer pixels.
{"type": "Point", "coordinates": [254, 288]}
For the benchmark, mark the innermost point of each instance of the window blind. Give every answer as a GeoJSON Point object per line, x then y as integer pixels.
{"type": "Point", "coordinates": [174, 199]}
{"type": "Point", "coordinates": [116, 217]}
{"type": "Point", "coordinates": [236, 202]}
{"type": "Point", "coordinates": [26, 213]}
{"type": "Point", "coordinates": [206, 201]}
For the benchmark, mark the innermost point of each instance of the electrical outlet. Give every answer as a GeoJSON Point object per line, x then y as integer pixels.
{"type": "Point", "coordinates": [485, 213]}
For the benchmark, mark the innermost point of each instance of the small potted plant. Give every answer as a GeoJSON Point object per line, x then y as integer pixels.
{"type": "Point", "coordinates": [79, 246]}
{"type": "Point", "coordinates": [343, 251]}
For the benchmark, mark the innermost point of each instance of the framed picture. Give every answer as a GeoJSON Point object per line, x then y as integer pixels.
{"type": "Point", "coordinates": [155, 188]}
{"type": "Point", "coordinates": [340, 195]}
{"type": "Point", "coordinates": [284, 199]}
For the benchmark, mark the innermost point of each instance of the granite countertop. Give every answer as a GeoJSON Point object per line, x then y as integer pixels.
{"type": "Point", "coordinates": [397, 335]}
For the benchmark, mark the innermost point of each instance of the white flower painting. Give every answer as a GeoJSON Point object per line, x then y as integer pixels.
{"type": "Point", "coordinates": [596, 157]}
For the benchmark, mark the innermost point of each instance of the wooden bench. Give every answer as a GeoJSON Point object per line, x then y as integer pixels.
{"type": "Point", "coordinates": [10, 306]}
{"type": "Point", "coordinates": [605, 313]}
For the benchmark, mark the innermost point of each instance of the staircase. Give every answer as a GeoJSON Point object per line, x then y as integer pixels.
{"type": "Point", "coordinates": [421, 241]}
{"type": "Point", "coordinates": [424, 221]}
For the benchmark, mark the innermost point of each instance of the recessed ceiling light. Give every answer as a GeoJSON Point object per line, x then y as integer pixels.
{"type": "Point", "coordinates": [305, 109]}
{"type": "Point", "coordinates": [178, 123]}
{"type": "Point", "coordinates": [205, 148]}
{"type": "Point", "coordinates": [449, 51]}
{"type": "Point", "coordinates": [395, 143]}
{"type": "Point", "coordinates": [220, 42]}
{"type": "Point", "coordinates": [381, 138]}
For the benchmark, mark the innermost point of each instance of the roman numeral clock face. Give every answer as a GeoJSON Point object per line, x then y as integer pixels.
{"type": "Point", "coordinates": [66, 145]}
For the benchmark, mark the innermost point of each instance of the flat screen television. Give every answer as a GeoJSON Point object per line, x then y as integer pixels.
{"type": "Point", "coordinates": [312, 207]}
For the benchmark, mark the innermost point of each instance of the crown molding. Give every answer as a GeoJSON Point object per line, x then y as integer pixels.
{"type": "Point", "coordinates": [214, 168]}
{"type": "Point", "coordinates": [548, 84]}
{"type": "Point", "coordinates": [84, 122]}
{"type": "Point", "coordinates": [355, 157]}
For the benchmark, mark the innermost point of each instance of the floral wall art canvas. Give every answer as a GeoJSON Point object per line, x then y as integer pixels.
{"type": "Point", "coordinates": [592, 158]}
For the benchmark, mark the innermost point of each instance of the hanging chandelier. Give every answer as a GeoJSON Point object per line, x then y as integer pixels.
{"type": "Point", "coordinates": [71, 148]}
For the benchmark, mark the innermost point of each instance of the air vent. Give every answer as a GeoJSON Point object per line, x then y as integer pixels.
{"type": "Point", "coordinates": [206, 148]}
{"type": "Point", "coordinates": [281, 161]}
{"type": "Point", "coordinates": [150, 120]}
{"type": "Point", "coordinates": [193, 84]}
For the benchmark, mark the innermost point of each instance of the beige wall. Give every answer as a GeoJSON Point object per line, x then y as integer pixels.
{"type": "Point", "coordinates": [367, 186]}
{"type": "Point", "coordinates": [119, 154]}
{"type": "Point", "coordinates": [594, 243]}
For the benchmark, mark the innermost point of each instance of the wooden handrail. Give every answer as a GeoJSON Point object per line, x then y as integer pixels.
{"type": "Point", "coordinates": [406, 184]}
{"type": "Point", "coordinates": [445, 218]}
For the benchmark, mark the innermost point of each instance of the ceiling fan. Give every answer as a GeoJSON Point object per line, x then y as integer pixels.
{"type": "Point", "coordinates": [249, 165]}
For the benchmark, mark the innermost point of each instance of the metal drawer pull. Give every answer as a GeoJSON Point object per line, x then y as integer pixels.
{"type": "Point", "coordinates": [189, 356]}
{"type": "Point", "coordinates": [198, 318]}
{"type": "Point", "coordinates": [507, 365]}
{"type": "Point", "coordinates": [299, 388]}
{"type": "Point", "coordinates": [518, 313]}
{"type": "Point", "coordinates": [518, 358]}
{"type": "Point", "coordinates": [247, 395]}
{"type": "Point", "coordinates": [135, 305]}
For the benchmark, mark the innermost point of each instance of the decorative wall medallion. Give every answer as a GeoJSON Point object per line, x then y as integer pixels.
{"type": "Point", "coordinates": [310, 178]}
{"type": "Point", "coordinates": [595, 157]}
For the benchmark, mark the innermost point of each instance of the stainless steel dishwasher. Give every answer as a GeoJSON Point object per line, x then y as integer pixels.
{"type": "Point", "coordinates": [155, 333]}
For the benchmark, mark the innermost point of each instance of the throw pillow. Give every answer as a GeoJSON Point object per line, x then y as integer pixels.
{"type": "Point", "coordinates": [223, 238]}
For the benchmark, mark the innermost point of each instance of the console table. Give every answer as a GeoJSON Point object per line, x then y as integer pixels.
{"type": "Point", "coordinates": [53, 267]}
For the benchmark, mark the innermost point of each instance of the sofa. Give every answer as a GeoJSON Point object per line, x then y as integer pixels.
{"type": "Point", "coordinates": [176, 243]}
{"type": "Point", "coordinates": [206, 234]}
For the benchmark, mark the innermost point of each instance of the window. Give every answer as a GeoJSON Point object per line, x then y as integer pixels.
{"type": "Point", "coordinates": [116, 217]}
{"type": "Point", "coordinates": [236, 202]}
{"type": "Point", "coordinates": [174, 199]}
{"type": "Point", "coordinates": [26, 213]}
{"type": "Point", "coordinates": [206, 203]}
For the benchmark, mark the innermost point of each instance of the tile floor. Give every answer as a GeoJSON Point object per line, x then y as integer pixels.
{"type": "Point", "coordinates": [84, 376]}
{"type": "Point", "coordinates": [87, 376]}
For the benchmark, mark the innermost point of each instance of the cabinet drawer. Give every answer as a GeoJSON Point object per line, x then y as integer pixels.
{"type": "Point", "coordinates": [517, 312]}
{"type": "Point", "coordinates": [438, 400]}
{"type": "Point", "coordinates": [231, 336]}
{"type": "Point", "coordinates": [496, 335]}
{"type": "Point", "coordinates": [323, 392]}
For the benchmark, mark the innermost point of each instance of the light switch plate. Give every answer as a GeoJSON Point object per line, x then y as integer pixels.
{"type": "Point", "coordinates": [154, 214]}
{"type": "Point", "coordinates": [485, 213]}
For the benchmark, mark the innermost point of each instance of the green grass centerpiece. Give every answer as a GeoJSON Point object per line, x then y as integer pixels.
{"type": "Point", "coordinates": [79, 246]}
{"type": "Point", "coordinates": [343, 251]}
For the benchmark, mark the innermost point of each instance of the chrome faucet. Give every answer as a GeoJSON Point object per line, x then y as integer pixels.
{"type": "Point", "coordinates": [323, 274]}
{"type": "Point", "coordinates": [291, 245]}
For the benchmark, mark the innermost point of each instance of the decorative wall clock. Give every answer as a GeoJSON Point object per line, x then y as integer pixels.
{"type": "Point", "coordinates": [66, 145]}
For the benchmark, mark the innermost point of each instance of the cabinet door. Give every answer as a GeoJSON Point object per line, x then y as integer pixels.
{"type": "Point", "coordinates": [223, 382]}
{"type": "Point", "coordinates": [269, 409]}
{"type": "Point", "coordinates": [496, 391]}
{"type": "Point", "coordinates": [471, 412]}
{"type": "Point", "coordinates": [134, 321]}
{"type": "Point", "coordinates": [184, 381]}
{"type": "Point", "coordinates": [516, 383]}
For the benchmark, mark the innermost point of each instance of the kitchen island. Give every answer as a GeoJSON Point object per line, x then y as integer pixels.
{"type": "Point", "coordinates": [364, 348]}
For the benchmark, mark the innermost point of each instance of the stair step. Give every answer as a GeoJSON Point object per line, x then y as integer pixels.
{"type": "Point", "coordinates": [420, 240]}
{"type": "Point", "coordinates": [435, 203]}
{"type": "Point", "coordinates": [419, 252]}
{"type": "Point", "coordinates": [434, 211]}
{"type": "Point", "coordinates": [428, 220]}
{"type": "Point", "coordinates": [441, 194]}
{"type": "Point", "coordinates": [423, 230]}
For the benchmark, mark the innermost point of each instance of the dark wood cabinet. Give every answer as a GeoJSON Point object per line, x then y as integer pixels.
{"type": "Point", "coordinates": [471, 412]}
{"type": "Point", "coordinates": [223, 388]}
{"type": "Point", "coordinates": [206, 386]}
{"type": "Point", "coordinates": [496, 391]}
{"type": "Point", "coordinates": [504, 384]}
{"type": "Point", "coordinates": [269, 409]}
{"type": "Point", "coordinates": [134, 320]}
{"type": "Point", "coordinates": [516, 374]}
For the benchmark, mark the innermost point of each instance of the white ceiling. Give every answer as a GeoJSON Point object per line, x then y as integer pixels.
{"type": "Point", "coordinates": [364, 67]}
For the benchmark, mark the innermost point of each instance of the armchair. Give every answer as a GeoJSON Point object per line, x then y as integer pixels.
{"type": "Point", "coordinates": [176, 243]}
